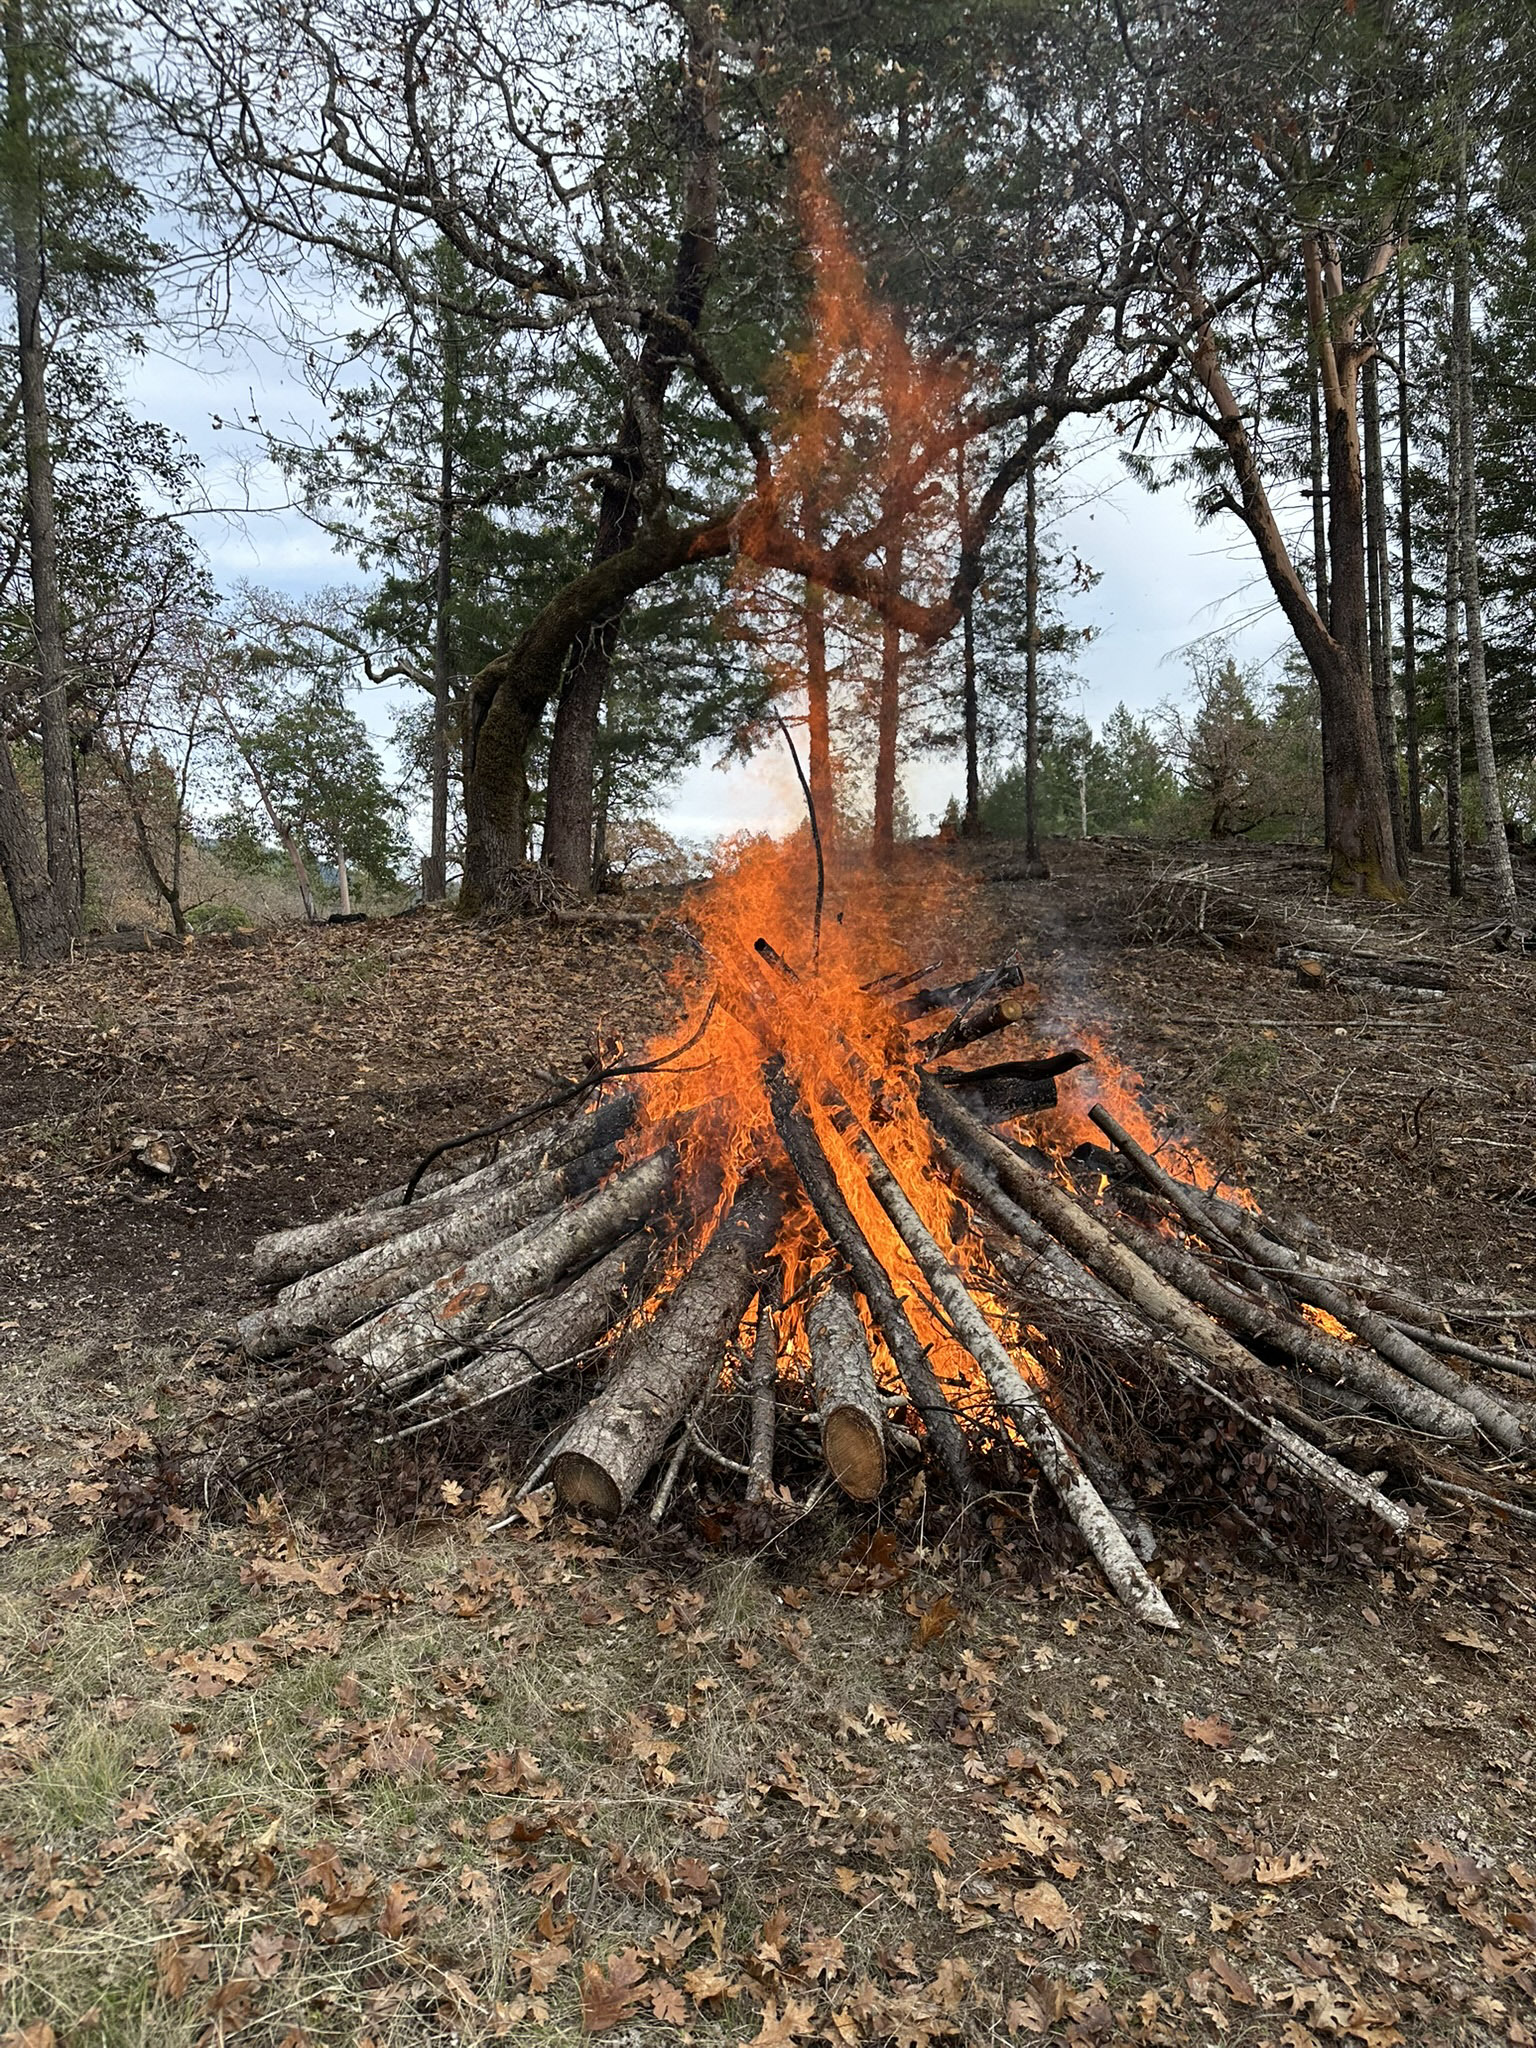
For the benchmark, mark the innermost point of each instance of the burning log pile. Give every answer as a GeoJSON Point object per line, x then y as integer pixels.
{"type": "Point", "coordinates": [800, 1226]}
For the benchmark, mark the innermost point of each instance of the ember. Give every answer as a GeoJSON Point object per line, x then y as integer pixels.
{"type": "Point", "coordinates": [798, 1211]}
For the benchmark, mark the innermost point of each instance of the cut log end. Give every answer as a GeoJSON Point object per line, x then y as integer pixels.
{"type": "Point", "coordinates": [583, 1486]}
{"type": "Point", "coordinates": [854, 1448]}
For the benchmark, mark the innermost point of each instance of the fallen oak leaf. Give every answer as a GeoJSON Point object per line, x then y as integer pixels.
{"type": "Point", "coordinates": [668, 2003]}
{"type": "Point", "coordinates": [1210, 1730]}
{"type": "Point", "coordinates": [1393, 1898]}
{"type": "Point", "coordinates": [609, 1996]}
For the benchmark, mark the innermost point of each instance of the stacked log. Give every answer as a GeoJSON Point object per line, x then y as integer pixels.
{"type": "Point", "coordinates": [585, 1243]}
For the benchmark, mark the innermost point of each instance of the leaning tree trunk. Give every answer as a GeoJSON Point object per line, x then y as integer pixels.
{"type": "Point", "coordinates": [614, 1442]}
{"type": "Point", "coordinates": [1471, 586]}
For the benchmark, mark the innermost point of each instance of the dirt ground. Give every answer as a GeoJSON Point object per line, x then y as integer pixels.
{"type": "Point", "coordinates": [346, 1767]}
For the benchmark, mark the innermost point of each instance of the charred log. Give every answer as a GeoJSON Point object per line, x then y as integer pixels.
{"type": "Point", "coordinates": [842, 1227]}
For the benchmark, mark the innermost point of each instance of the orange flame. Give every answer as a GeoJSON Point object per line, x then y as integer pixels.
{"type": "Point", "coordinates": [841, 1047]}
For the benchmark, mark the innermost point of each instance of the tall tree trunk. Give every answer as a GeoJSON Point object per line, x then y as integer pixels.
{"type": "Point", "coordinates": [343, 885]}
{"type": "Point", "coordinates": [44, 884]}
{"type": "Point", "coordinates": [1319, 488]}
{"type": "Point", "coordinates": [1455, 829]}
{"type": "Point", "coordinates": [1379, 600]}
{"type": "Point", "coordinates": [1318, 492]}
{"type": "Point", "coordinates": [888, 718]}
{"type": "Point", "coordinates": [436, 872]}
{"type": "Point", "coordinates": [1033, 862]}
{"type": "Point", "coordinates": [1471, 585]}
{"type": "Point", "coordinates": [1415, 819]}
{"type": "Point", "coordinates": [1363, 856]}
{"type": "Point", "coordinates": [818, 696]}
{"type": "Point", "coordinates": [971, 822]}
{"type": "Point", "coordinates": [567, 842]}
{"type": "Point", "coordinates": [600, 870]}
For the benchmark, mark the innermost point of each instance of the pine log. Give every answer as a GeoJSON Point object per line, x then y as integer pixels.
{"type": "Point", "coordinates": [1355, 1365]}
{"type": "Point", "coordinates": [1301, 1277]}
{"type": "Point", "coordinates": [455, 1308]}
{"type": "Point", "coordinates": [955, 995]}
{"type": "Point", "coordinates": [323, 1304]}
{"type": "Point", "coordinates": [1019, 1402]}
{"type": "Point", "coordinates": [850, 1411]}
{"type": "Point", "coordinates": [614, 1442]}
{"type": "Point", "coordinates": [1519, 1365]}
{"type": "Point", "coordinates": [819, 1182]}
{"type": "Point", "coordinates": [969, 1026]}
{"type": "Point", "coordinates": [540, 1340]}
{"type": "Point", "coordinates": [287, 1255]}
{"type": "Point", "coordinates": [1011, 1088]}
{"type": "Point", "coordinates": [765, 1391]}
{"type": "Point", "coordinates": [1158, 1304]}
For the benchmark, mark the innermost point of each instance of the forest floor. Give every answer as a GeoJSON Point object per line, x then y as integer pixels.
{"type": "Point", "coordinates": [345, 1768]}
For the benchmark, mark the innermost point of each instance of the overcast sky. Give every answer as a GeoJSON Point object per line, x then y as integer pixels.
{"type": "Point", "coordinates": [1164, 580]}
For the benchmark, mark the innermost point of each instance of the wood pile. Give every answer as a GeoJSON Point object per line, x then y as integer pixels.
{"type": "Point", "coordinates": [804, 1229]}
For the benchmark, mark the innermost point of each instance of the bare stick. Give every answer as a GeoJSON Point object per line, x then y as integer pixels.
{"type": "Point", "coordinates": [1018, 1400]}
{"type": "Point", "coordinates": [765, 1384]}
{"type": "Point", "coordinates": [1301, 1278]}
{"type": "Point", "coordinates": [842, 1227]}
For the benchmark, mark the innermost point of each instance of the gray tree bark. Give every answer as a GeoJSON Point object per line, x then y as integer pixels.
{"type": "Point", "coordinates": [453, 1310]}
{"type": "Point", "coordinates": [849, 1408]}
{"type": "Point", "coordinates": [1471, 590]}
{"type": "Point", "coordinates": [614, 1442]}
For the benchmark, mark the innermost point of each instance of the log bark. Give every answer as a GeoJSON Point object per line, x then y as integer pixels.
{"type": "Point", "coordinates": [541, 1340]}
{"type": "Point", "coordinates": [842, 1227]}
{"type": "Point", "coordinates": [323, 1304]}
{"type": "Point", "coordinates": [1056, 1278]}
{"type": "Point", "coordinates": [980, 1023]}
{"type": "Point", "coordinates": [614, 1442]}
{"type": "Point", "coordinates": [284, 1256]}
{"type": "Point", "coordinates": [456, 1307]}
{"type": "Point", "coordinates": [850, 1410]}
{"type": "Point", "coordinates": [956, 994]}
{"type": "Point", "coordinates": [1353, 1365]}
{"type": "Point", "coordinates": [1301, 1278]}
{"type": "Point", "coordinates": [1011, 1088]}
{"type": "Point", "coordinates": [765, 1392]}
{"type": "Point", "coordinates": [1018, 1401]}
